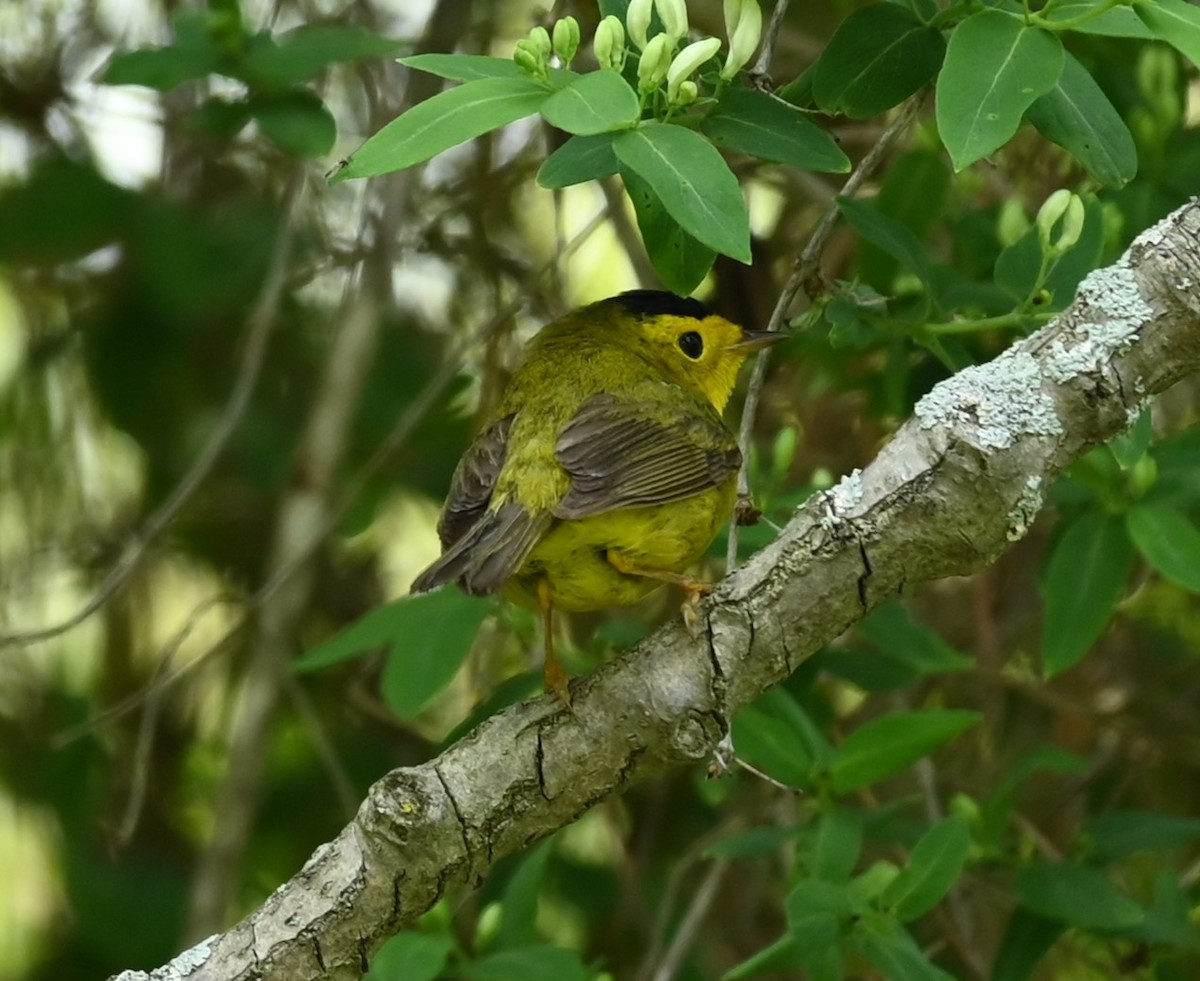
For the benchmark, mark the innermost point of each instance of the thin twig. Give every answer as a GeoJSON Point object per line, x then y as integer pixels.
{"type": "Point", "coordinates": [762, 67]}
{"type": "Point", "coordinates": [805, 269]}
{"type": "Point", "coordinates": [692, 921]}
{"type": "Point", "coordinates": [262, 321]}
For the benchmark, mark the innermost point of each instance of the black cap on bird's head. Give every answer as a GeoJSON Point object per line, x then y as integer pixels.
{"type": "Point", "coordinates": [654, 303]}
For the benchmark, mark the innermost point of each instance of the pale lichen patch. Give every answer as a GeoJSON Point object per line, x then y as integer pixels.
{"type": "Point", "coordinates": [1002, 401]}
{"type": "Point", "coordinates": [1118, 312]}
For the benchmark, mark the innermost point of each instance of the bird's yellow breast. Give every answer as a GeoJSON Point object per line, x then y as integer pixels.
{"type": "Point", "coordinates": [572, 557]}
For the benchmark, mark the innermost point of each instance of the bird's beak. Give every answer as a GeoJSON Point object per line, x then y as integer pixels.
{"type": "Point", "coordinates": [756, 340]}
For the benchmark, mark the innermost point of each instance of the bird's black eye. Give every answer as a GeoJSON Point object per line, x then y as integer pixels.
{"type": "Point", "coordinates": [691, 344]}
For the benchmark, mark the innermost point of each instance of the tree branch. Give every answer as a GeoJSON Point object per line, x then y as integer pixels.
{"type": "Point", "coordinates": [960, 481]}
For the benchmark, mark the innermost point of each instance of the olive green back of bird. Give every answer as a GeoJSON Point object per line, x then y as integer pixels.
{"type": "Point", "coordinates": [606, 453]}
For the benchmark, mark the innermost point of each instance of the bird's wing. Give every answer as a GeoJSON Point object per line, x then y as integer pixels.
{"type": "Point", "coordinates": [473, 481]}
{"type": "Point", "coordinates": [482, 546]}
{"type": "Point", "coordinates": [626, 452]}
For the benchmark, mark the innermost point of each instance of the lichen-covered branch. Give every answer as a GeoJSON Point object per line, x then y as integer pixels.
{"type": "Point", "coordinates": [960, 480]}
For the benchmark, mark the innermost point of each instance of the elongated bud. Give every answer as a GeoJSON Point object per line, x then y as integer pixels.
{"type": "Point", "coordinates": [609, 43]}
{"type": "Point", "coordinates": [687, 61]}
{"type": "Point", "coordinates": [566, 39]}
{"type": "Point", "coordinates": [637, 20]}
{"type": "Point", "coordinates": [526, 56]}
{"type": "Point", "coordinates": [1053, 208]}
{"type": "Point", "coordinates": [733, 11]}
{"type": "Point", "coordinates": [655, 60]}
{"type": "Point", "coordinates": [673, 14]}
{"type": "Point", "coordinates": [1072, 226]}
{"type": "Point", "coordinates": [541, 41]}
{"type": "Point", "coordinates": [743, 42]}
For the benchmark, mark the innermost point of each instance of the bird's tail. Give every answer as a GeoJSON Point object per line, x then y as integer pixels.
{"type": "Point", "coordinates": [491, 551]}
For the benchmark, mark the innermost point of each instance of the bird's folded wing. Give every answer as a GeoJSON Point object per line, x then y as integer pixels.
{"type": "Point", "coordinates": [622, 452]}
{"type": "Point", "coordinates": [473, 482]}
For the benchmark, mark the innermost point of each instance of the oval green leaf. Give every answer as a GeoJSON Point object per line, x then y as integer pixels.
{"type": "Point", "coordinates": [1084, 581]}
{"type": "Point", "coordinates": [1117, 22]}
{"type": "Point", "coordinates": [463, 67]}
{"type": "Point", "coordinates": [933, 867]}
{"type": "Point", "coordinates": [892, 743]}
{"type": "Point", "coordinates": [1169, 542]}
{"type": "Point", "coordinates": [1076, 895]}
{"type": "Point", "coordinates": [680, 260]}
{"type": "Point", "coordinates": [877, 58]}
{"type": "Point", "coordinates": [762, 126]}
{"type": "Point", "coordinates": [1077, 115]}
{"type": "Point", "coordinates": [581, 158]}
{"type": "Point", "coordinates": [593, 103]}
{"type": "Point", "coordinates": [1175, 21]}
{"type": "Point", "coordinates": [297, 121]}
{"type": "Point", "coordinates": [694, 184]}
{"type": "Point", "coordinates": [449, 118]}
{"type": "Point", "coordinates": [995, 67]}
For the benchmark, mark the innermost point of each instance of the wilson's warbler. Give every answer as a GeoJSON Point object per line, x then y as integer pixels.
{"type": "Point", "coordinates": [606, 470]}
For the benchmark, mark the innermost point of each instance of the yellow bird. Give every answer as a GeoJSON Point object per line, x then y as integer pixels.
{"type": "Point", "coordinates": [606, 470]}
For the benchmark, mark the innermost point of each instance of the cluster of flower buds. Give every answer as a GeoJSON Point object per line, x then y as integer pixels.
{"type": "Point", "coordinates": [659, 61]}
{"type": "Point", "coordinates": [533, 53]}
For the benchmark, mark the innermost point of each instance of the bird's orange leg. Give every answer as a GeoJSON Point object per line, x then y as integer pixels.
{"type": "Point", "coordinates": [554, 677]}
{"type": "Point", "coordinates": [692, 587]}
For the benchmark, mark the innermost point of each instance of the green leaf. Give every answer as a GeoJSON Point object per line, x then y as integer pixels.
{"type": "Point", "coordinates": [888, 234]}
{"type": "Point", "coordinates": [1026, 940]}
{"type": "Point", "coordinates": [877, 58]}
{"type": "Point", "coordinates": [540, 963]}
{"type": "Point", "coordinates": [933, 867]}
{"type": "Point", "coordinates": [1076, 895]}
{"type": "Point", "coordinates": [428, 637]}
{"type": "Point", "coordinates": [996, 66]}
{"type": "Point", "coordinates": [581, 158]}
{"type": "Point", "coordinates": [679, 259]}
{"type": "Point", "coordinates": [1118, 22]}
{"type": "Point", "coordinates": [449, 118]}
{"type": "Point", "coordinates": [296, 121]}
{"type": "Point", "coordinates": [296, 56]}
{"type": "Point", "coordinates": [836, 845]}
{"type": "Point", "coordinates": [1128, 448]}
{"type": "Point", "coordinates": [1175, 21]}
{"type": "Point", "coordinates": [762, 126]}
{"type": "Point", "coordinates": [1084, 581]}
{"type": "Point", "coordinates": [163, 68]}
{"type": "Point", "coordinates": [891, 743]}
{"type": "Point", "coordinates": [694, 184]}
{"type": "Point", "coordinates": [1168, 541]}
{"type": "Point", "coordinates": [1077, 115]}
{"type": "Point", "coordinates": [1121, 833]}
{"type": "Point", "coordinates": [891, 948]}
{"type": "Point", "coordinates": [784, 955]}
{"type": "Point", "coordinates": [412, 956]}
{"type": "Point", "coordinates": [593, 103]}
{"type": "Point", "coordinates": [918, 647]}
{"type": "Point", "coordinates": [775, 735]}
{"type": "Point", "coordinates": [464, 67]}
{"type": "Point", "coordinates": [518, 910]}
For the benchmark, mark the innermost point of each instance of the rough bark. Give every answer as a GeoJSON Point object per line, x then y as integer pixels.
{"type": "Point", "coordinates": [960, 481]}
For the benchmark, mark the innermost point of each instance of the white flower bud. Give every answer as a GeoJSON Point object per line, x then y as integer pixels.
{"type": "Point", "coordinates": [743, 42]}
{"type": "Point", "coordinates": [673, 14]}
{"type": "Point", "coordinates": [687, 61]}
{"type": "Point", "coordinates": [637, 20]}
{"type": "Point", "coordinates": [609, 43]}
{"type": "Point", "coordinates": [566, 39]}
{"type": "Point", "coordinates": [655, 60]}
